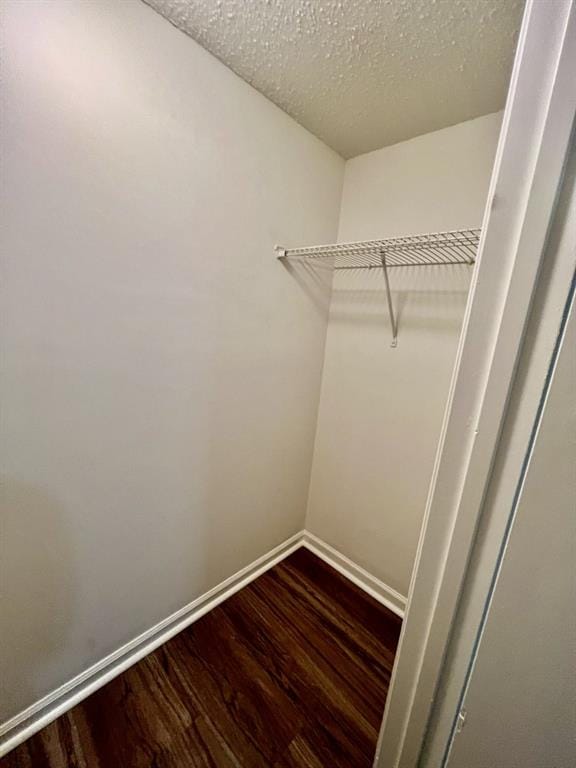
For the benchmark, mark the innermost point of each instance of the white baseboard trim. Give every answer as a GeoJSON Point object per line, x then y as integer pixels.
{"type": "Point", "coordinates": [354, 573]}
{"type": "Point", "coordinates": [19, 728]}
{"type": "Point", "coordinates": [28, 722]}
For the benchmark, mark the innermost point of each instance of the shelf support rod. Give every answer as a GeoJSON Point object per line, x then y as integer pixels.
{"type": "Point", "coordinates": [389, 299]}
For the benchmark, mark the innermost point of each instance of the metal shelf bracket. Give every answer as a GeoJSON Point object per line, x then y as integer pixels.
{"type": "Point", "coordinates": [393, 320]}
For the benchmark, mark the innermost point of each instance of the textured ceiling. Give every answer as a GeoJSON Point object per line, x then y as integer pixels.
{"type": "Point", "coordinates": [362, 74]}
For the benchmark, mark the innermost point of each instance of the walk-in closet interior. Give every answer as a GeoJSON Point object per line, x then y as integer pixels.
{"type": "Point", "coordinates": [237, 244]}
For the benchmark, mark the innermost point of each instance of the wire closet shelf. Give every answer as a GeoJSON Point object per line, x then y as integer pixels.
{"type": "Point", "coordinates": [429, 250]}
{"type": "Point", "coordinates": [436, 249]}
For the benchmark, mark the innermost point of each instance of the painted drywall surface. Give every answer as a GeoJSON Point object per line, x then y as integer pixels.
{"type": "Point", "coordinates": [521, 701]}
{"type": "Point", "coordinates": [381, 409]}
{"type": "Point", "coordinates": [383, 72]}
{"type": "Point", "coordinates": [161, 370]}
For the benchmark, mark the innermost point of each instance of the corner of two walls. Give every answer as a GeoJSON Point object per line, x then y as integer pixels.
{"type": "Point", "coordinates": [381, 409]}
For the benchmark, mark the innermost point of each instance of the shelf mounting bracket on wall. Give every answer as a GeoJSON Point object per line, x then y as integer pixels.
{"type": "Point", "coordinates": [393, 322]}
{"type": "Point", "coordinates": [429, 250]}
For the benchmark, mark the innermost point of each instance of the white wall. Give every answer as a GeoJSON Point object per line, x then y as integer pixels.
{"type": "Point", "coordinates": [381, 409]}
{"type": "Point", "coordinates": [161, 370]}
{"type": "Point", "coordinates": [521, 701]}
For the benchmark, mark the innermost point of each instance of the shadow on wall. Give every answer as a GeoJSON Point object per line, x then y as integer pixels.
{"type": "Point", "coordinates": [433, 298]}
{"type": "Point", "coordinates": [37, 601]}
{"type": "Point", "coordinates": [314, 279]}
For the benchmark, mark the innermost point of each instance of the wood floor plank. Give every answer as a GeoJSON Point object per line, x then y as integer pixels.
{"type": "Point", "coordinates": [318, 747]}
{"type": "Point", "coordinates": [315, 676]}
{"type": "Point", "coordinates": [290, 672]}
{"type": "Point", "coordinates": [257, 704]}
{"type": "Point", "coordinates": [367, 615]}
{"type": "Point", "coordinates": [346, 660]}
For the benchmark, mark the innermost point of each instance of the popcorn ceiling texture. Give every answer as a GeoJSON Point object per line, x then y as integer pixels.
{"type": "Point", "coordinates": [362, 74]}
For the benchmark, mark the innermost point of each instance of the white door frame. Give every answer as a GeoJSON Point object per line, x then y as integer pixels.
{"type": "Point", "coordinates": [527, 174]}
{"type": "Point", "coordinates": [553, 304]}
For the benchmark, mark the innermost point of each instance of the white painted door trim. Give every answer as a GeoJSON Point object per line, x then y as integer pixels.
{"type": "Point", "coordinates": [528, 169]}
{"type": "Point", "coordinates": [540, 356]}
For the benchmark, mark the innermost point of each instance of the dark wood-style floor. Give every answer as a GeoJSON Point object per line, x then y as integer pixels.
{"type": "Point", "coordinates": [293, 670]}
